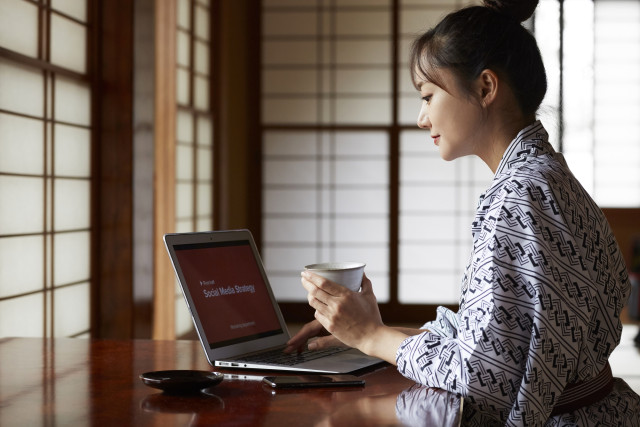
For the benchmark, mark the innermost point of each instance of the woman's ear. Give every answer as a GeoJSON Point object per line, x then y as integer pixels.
{"type": "Point", "coordinates": [487, 87]}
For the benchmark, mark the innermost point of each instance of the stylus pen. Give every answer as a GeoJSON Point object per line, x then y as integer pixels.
{"type": "Point", "coordinates": [240, 377]}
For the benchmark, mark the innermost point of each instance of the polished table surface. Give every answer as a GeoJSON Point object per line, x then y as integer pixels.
{"type": "Point", "coordinates": [78, 382]}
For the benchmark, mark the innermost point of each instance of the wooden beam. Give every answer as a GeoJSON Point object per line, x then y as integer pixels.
{"type": "Point", "coordinates": [112, 260]}
{"type": "Point", "coordinates": [165, 169]}
{"type": "Point", "coordinates": [238, 197]}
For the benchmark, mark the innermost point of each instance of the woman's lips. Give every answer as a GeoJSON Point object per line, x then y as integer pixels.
{"type": "Point", "coordinates": [436, 139]}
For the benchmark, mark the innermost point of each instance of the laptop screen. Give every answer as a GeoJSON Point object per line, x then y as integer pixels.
{"type": "Point", "coordinates": [228, 291]}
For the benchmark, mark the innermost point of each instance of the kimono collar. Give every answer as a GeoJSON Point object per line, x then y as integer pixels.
{"type": "Point", "coordinates": [532, 141]}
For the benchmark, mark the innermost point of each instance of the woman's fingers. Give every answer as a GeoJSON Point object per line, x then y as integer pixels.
{"type": "Point", "coordinates": [311, 330]}
{"type": "Point", "coordinates": [311, 280]}
{"type": "Point", "coordinates": [298, 341]}
{"type": "Point", "coordinates": [366, 285]}
{"type": "Point", "coordinates": [321, 291]}
{"type": "Point", "coordinates": [325, 342]}
{"type": "Point", "coordinates": [328, 298]}
{"type": "Point", "coordinates": [347, 315]}
{"type": "Point", "coordinates": [325, 318]}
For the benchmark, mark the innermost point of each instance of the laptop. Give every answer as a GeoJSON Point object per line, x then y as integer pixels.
{"type": "Point", "coordinates": [234, 310]}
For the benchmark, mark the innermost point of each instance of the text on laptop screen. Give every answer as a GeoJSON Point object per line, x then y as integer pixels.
{"type": "Point", "coordinates": [228, 291]}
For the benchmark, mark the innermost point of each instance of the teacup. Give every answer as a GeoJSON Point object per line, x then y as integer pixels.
{"type": "Point", "coordinates": [347, 274]}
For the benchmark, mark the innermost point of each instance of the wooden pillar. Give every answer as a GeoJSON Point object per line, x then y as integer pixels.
{"type": "Point", "coordinates": [164, 182]}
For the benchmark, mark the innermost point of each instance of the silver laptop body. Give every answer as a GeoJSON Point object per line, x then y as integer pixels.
{"type": "Point", "coordinates": [233, 307]}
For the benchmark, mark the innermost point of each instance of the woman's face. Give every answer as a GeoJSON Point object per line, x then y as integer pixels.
{"type": "Point", "coordinates": [453, 118]}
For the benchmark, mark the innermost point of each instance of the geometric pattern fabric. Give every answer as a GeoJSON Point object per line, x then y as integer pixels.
{"type": "Point", "coordinates": [541, 295]}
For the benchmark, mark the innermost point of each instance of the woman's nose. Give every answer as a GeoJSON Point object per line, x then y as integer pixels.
{"type": "Point", "coordinates": [423, 118]}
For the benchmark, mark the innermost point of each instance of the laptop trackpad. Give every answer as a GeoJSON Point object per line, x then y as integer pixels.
{"type": "Point", "coordinates": [342, 362]}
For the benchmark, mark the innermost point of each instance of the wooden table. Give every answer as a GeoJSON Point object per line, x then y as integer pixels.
{"type": "Point", "coordinates": [96, 382]}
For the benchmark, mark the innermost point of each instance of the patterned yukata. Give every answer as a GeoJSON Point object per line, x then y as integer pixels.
{"type": "Point", "coordinates": [541, 299]}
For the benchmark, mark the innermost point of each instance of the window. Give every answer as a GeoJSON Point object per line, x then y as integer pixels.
{"type": "Point", "coordinates": [437, 199]}
{"type": "Point", "coordinates": [348, 176]}
{"type": "Point", "coordinates": [45, 168]}
{"type": "Point", "coordinates": [616, 103]}
{"type": "Point", "coordinates": [346, 173]}
{"type": "Point", "coordinates": [327, 105]}
{"type": "Point", "coordinates": [194, 129]}
{"type": "Point", "coordinates": [591, 53]}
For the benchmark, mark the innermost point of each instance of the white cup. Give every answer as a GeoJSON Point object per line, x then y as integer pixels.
{"type": "Point", "coordinates": [347, 274]}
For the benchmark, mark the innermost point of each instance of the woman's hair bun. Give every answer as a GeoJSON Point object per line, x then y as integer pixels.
{"type": "Point", "coordinates": [520, 10]}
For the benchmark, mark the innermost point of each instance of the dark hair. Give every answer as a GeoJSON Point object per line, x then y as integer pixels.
{"type": "Point", "coordinates": [476, 38]}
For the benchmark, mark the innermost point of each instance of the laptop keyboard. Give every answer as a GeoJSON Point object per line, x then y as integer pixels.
{"type": "Point", "coordinates": [277, 357]}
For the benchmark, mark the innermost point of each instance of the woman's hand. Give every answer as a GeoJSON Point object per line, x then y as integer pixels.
{"type": "Point", "coordinates": [352, 317]}
{"type": "Point", "coordinates": [313, 329]}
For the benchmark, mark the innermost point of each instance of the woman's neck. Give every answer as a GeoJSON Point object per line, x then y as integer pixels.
{"type": "Point", "coordinates": [500, 134]}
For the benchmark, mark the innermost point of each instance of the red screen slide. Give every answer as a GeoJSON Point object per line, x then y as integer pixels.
{"type": "Point", "coordinates": [228, 291]}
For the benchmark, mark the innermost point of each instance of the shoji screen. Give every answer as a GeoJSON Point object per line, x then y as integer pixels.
{"type": "Point", "coordinates": [333, 109]}
{"type": "Point", "coordinates": [616, 105]}
{"type": "Point", "coordinates": [437, 205]}
{"type": "Point", "coordinates": [45, 173]}
{"type": "Point", "coordinates": [325, 198]}
{"type": "Point", "coordinates": [336, 98]}
{"type": "Point", "coordinates": [593, 105]}
{"type": "Point", "coordinates": [326, 107]}
{"type": "Point", "coordinates": [437, 198]}
{"type": "Point", "coordinates": [194, 129]}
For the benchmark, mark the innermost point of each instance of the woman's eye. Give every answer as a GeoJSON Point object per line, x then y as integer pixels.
{"type": "Point", "coordinates": [427, 98]}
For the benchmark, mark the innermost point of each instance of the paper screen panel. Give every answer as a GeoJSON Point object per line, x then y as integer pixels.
{"type": "Point", "coordinates": [72, 151]}
{"type": "Point", "coordinates": [323, 201]}
{"type": "Point", "coordinates": [204, 158]}
{"type": "Point", "coordinates": [306, 3]}
{"type": "Point", "coordinates": [184, 127]}
{"type": "Point", "coordinates": [322, 194]}
{"type": "Point", "coordinates": [71, 204]}
{"type": "Point", "coordinates": [437, 202]}
{"type": "Point", "coordinates": [21, 89]}
{"type": "Point", "coordinates": [74, 8]}
{"type": "Point", "coordinates": [578, 102]}
{"type": "Point", "coordinates": [19, 27]}
{"type": "Point", "coordinates": [72, 255]}
{"type": "Point", "coordinates": [436, 288]}
{"type": "Point", "coordinates": [364, 52]}
{"type": "Point", "coordinates": [183, 11]}
{"type": "Point", "coordinates": [13, 320]}
{"type": "Point", "coordinates": [72, 101]}
{"type": "Point", "coordinates": [415, 17]}
{"type": "Point", "coordinates": [363, 22]}
{"type": "Point", "coordinates": [17, 196]}
{"type": "Point", "coordinates": [287, 23]}
{"type": "Point", "coordinates": [547, 21]}
{"type": "Point", "coordinates": [205, 131]}
{"type": "Point", "coordinates": [19, 135]}
{"type": "Point", "coordinates": [201, 52]}
{"type": "Point", "coordinates": [71, 311]}
{"type": "Point", "coordinates": [184, 162]}
{"type": "Point", "coordinates": [201, 95]}
{"type": "Point", "coordinates": [183, 52]}
{"type": "Point", "coordinates": [202, 22]}
{"type": "Point", "coordinates": [617, 104]}
{"type": "Point", "coordinates": [194, 129]}
{"type": "Point", "coordinates": [45, 166]}
{"type": "Point", "coordinates": [290, 81]}
{"type": "Point", "coordinates": [204, 202]}
{"type": "Point", "coordinates": [182, 86]}
{"type": "Point", "coordinates": [290, 111]}
{"type": "Point", "coordinates": [289, 52]}
{"type": "Point", "coordinates": [21, 265]}
{"type": "Point", "coordinates": [68, 44]}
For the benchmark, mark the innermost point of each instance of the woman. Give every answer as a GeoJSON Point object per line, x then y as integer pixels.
{"type": "Point", "coordinates": [545, 284]}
